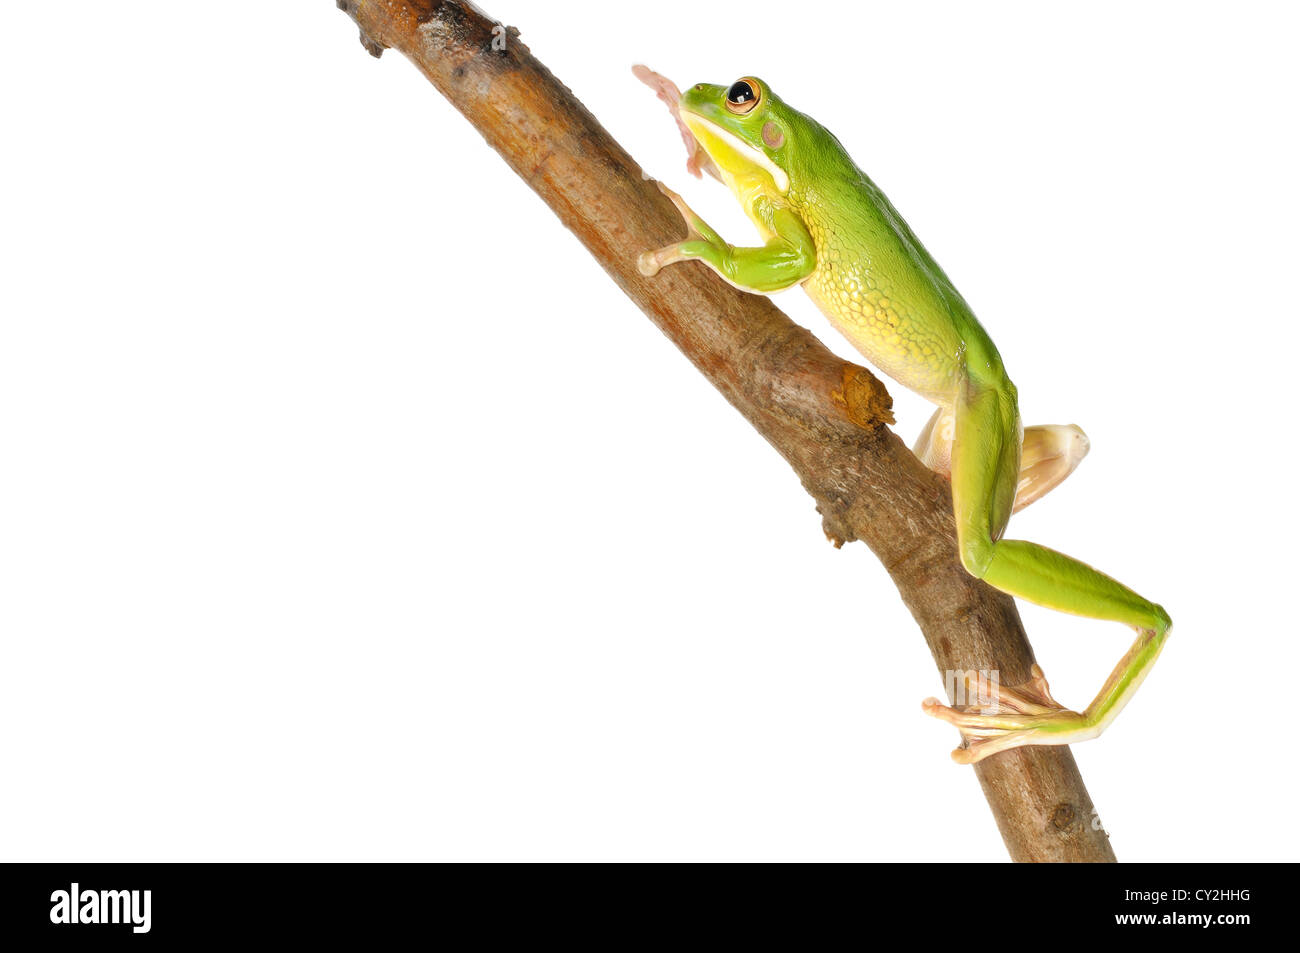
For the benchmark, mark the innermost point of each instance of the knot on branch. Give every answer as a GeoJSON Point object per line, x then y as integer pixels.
{"type": "Point", "coordinates": [865, 400]}
{"type": "Point", "coordinates": [1065, 818]}
{"type": "Point", "coordinates": [834, 525]}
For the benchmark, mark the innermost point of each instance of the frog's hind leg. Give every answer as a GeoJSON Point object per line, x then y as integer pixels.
{"type": "Point", "coordinates": [1049, 453]}
{"type": "Point", "coordinates": [985, 468]}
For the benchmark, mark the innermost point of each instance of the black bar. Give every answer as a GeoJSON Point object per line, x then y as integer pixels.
{"type": "Point", "coordinates": [987, 904]}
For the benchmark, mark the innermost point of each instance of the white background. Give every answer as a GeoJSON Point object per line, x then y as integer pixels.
{"type": "Point", "coordinates": [348, 510]}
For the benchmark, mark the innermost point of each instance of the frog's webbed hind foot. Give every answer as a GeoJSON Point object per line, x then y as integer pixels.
{"type": "Point", "coordinates": [1048, 454]}
{"type": "Point", "coordinates": [1004, 718]}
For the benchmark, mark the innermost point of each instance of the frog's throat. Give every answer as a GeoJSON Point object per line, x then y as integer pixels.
{"type": "Point", "coordinates": [727, 149]}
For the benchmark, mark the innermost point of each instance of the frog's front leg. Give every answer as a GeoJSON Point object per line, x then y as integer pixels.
{"type": "Point", "coordinates": [787, 259]}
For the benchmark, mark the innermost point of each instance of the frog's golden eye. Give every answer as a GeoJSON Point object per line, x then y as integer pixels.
{"type": "Point", "coordinates": [743, 95]}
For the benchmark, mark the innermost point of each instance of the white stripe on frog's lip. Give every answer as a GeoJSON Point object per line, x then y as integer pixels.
{"type": "Point", "coordinates": [757, 156]}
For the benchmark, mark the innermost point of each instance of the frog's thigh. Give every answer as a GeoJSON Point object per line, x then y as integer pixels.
{"type": "Point", "coordinates": [1049, 453]}
{"type": "Point", "coordinates": [985, 464]}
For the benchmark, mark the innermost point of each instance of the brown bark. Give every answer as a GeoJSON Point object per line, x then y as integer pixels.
{"type": "Point", "coordinates": [825, 416]}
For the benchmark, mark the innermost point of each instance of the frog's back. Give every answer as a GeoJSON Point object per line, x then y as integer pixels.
{"type": "Point", "coordinates": [881, 289]}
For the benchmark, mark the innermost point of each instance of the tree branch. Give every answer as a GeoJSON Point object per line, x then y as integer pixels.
{"type": "Point", "coordinates": [825, 416]}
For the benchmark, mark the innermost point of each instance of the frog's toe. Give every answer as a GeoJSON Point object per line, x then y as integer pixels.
{"type": "Point", "coordinates": [1003, 718]}
{"type": "Point", "coordinates": [649, 263]}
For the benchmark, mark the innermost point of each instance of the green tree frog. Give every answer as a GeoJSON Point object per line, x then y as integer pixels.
{"type": "Point", "coordinates": [826, 226]}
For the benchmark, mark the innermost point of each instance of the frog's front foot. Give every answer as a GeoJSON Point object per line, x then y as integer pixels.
{"type": "Point", "coordinates": [700, 239]}
{"type": "Point", "coordinates": [649, 262]}
{"type": "Point", "coordinates": [1005, 718]}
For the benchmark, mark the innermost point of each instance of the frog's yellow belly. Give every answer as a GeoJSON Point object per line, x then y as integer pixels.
{"type": "Point", "coordinates": [923, 356]}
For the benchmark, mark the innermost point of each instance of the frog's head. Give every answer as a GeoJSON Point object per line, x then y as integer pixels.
{"type": "Point", "coordinates": [747, 130]}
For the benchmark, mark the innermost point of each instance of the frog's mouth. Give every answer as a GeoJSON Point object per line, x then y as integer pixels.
{"type": "Point", "coordinates": [731, 154]}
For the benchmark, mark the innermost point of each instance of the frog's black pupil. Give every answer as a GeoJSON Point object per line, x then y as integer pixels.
{"type": "Point", "coordinates": [740, 92]}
